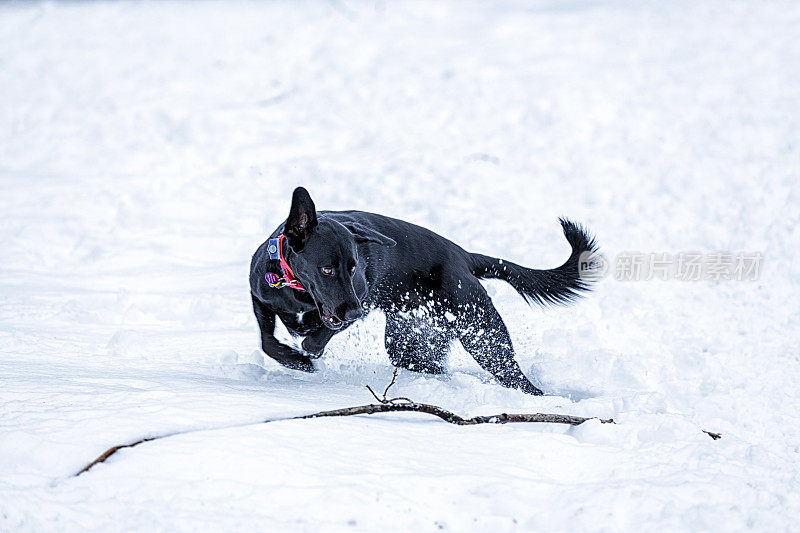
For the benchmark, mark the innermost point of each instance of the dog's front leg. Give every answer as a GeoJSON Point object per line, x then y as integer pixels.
{"type": "Point", "coordinates": [316, 341]}
{"type": "Point", "coordinates": [285, 355]}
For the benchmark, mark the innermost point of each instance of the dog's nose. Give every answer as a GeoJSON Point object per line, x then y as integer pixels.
{"type": "Point", "coordinates": [353, 313]}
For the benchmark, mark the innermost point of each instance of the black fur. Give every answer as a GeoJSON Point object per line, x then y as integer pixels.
{"type": "Point", "coordinates": [426, 285]}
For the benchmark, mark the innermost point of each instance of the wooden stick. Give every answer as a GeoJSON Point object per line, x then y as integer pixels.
{"type": "Point", "coordinates": [114, 449]}
{"type": "Point", "coordinates": [392, 405]}
{"type": "Point", "coordinates": [450, 417]}
{"type": "Point", "coordinates": [386, 407]}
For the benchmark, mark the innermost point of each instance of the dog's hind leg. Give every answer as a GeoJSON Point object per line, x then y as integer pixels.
{"type": "Point", "coordinates": [415, 345]}
{"type": "Point", "coordinates": [483, 334]}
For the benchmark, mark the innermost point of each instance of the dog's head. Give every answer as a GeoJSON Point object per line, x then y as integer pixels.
{"type": "Point", "coordinates": [325, 258]}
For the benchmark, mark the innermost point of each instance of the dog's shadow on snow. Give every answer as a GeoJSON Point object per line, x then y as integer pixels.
{"type": "Point", "coordinates": [458, 387]}
{"type": "Point", "coordinates": [462, 382]}
{"type": "Point", "coordinates": [572, 394]}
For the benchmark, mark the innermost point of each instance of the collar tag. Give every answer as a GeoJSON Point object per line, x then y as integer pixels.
{"type": "Point", "coordinates": [274, 249]}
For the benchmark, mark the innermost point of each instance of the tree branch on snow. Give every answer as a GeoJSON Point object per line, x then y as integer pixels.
{"type": "Point", "coordinates": [114, 449]}
{"type": "Point", "coordinates": [391, 405]}
{"type": "Point", "coordinates": [386, 391]}
{"type": "Point", "coordinates": [450, 417]}
{"type": "Point", "coordinates": [388, 407]}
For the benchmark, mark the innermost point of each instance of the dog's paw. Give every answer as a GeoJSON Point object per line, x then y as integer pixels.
{"type": "Point", "coordinates": [295, 361]}
{"type": "Point", "coordinates": [304, 365]}
{"type": "Point", "coordinates": [311, 349]}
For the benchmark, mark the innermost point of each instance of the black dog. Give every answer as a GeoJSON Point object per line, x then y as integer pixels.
{"type": "Point", "coordinates": [319, 272]}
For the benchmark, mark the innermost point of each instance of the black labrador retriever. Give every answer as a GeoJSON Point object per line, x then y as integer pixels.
{"type": "Point", "coordinates": [320, 271]}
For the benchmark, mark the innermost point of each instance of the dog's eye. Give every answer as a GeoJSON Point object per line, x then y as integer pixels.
{"type": "Point", "coordinates": [328, 271]}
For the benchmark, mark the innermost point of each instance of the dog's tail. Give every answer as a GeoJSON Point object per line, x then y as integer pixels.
{"type": "Point", "coordinates": [559, 285]}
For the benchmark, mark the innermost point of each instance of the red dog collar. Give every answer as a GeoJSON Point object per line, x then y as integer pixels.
{"type": "Point", "coordinates": [275, 249]}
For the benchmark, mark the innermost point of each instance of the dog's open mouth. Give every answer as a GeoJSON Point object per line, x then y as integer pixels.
{"type": "Point", "coordinates": [329, 320]}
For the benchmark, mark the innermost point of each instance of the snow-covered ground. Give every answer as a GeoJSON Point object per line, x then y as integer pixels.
{"type": "Point", "coordinates": [146, 149]}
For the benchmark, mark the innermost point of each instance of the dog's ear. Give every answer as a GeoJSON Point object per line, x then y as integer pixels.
{"type": "Point", "coordinates": [302, 219]}
{"type": "Point", "coordinates": [365, 234]}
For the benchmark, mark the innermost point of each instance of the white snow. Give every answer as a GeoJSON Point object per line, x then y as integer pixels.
{"type": "Point", "coordinates": [146, 149]}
